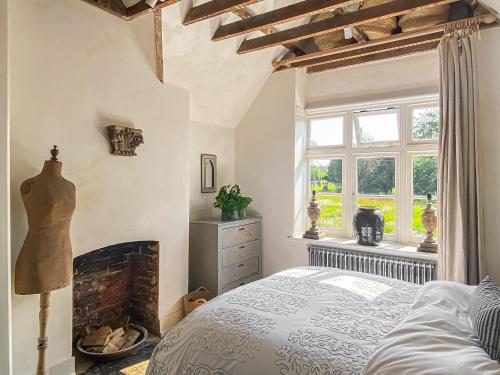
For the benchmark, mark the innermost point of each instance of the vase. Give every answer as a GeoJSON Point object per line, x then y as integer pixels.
{"type": "Point", "coordinates": [368, 225]}
{"type": "Point", "coordinates": [314, 212]}
{"type": "Point", "coordinates": [429, 221]}
{"type": "Point", "coordinates": [230, 215]}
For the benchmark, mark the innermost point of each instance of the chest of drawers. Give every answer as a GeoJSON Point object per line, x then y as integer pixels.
{"type": "Point", "coordinates": [224, 255]}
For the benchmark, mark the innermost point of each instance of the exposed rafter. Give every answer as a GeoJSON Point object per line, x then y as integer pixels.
{"type": "Point", "coordinates": [214, 8]}
{"type": "Point", "coordinates": [396, 39]}
{"type": "Point", "coordinates": [277, 16]}
{"type": "Point", "coordinates": [359, 34]}
{"type": "Point", "coordinates": [117, 8]}
{"type": "Point", "coordinates": [245, 13]}
{"type": "Point", "coordinates": [141, 8]}
{"type": "Point", "coordinates": [375, 57]}
{"type": "Point", "coordinates": [114, 7]}
{"type": "Point", "coordinates": [158, 44]}
{"type": "Point", "coordinates": [371, 50]}
{"type": "Point", "coordinates": [339, 22]}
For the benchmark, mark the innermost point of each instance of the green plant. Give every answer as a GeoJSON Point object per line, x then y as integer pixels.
{"type": "Point", "coordinates": [230, 199]}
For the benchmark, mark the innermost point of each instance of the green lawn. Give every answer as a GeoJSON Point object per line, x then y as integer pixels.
{"type": "Point", "coordinates": [331, 211]}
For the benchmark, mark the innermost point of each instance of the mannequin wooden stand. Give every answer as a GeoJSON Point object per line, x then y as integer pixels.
{"type": "Point", "coordinates": [43, 340]}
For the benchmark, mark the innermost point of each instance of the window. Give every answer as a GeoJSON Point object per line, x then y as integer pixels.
{"type": "Point", "coordinates": [326, 132]}
{"type": "Point", "coordinates": [326, 180]}
{"type": "Point", "coordinates": [376, 127]}
{"type": "Point", "coordinates": [424, 123]}
{"type": "Point", "coordinates": [376, 187]}
{"type": "Point", "coordinates": [378, 155]}
{"type": "Point", "coordinates": [424, 181]}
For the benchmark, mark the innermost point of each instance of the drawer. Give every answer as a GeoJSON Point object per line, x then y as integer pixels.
{"type": "Point", "coordinates": [241, 234]}
{"type": "Point", "coordinates": [238, 283]}
{"type": "Point", "coordinates": [239, 253]}
{"type": "Point", "coordinates": [240, 270]}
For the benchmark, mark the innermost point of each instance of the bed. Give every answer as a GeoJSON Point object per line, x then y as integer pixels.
{"type": "Point", "coordinates": [315, 320]}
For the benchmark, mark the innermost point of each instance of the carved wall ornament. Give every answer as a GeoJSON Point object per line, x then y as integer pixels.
{"type": "Point", "coordinates": [124, 140]}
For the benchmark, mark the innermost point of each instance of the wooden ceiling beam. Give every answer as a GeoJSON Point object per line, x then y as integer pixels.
{"type": "Point", "coordinates": [359, 34]}
{"type": "Point", "coordinates": [431, 46]}
{"type": "Point", "coordinates": [115, 7]}
{"type": "Point", "coordinates": [289, 62]}
{"type": "Point", "coordinates": [141, 8]}
{"type": "Point", "coordinates": [339, 22]}
{"type": "Point", "coordinates": [214, 8]}
{"type": "Point", "coordinates": [371, 50]}
{"type": "Point", "coordinates": [158, 25]}
{"type": "Point", "coordinates": [278, 16]}
{"type": "Point", "coordinates": [245, 13]}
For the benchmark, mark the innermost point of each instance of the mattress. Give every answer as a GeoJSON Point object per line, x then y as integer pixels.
{"type": "Point", "coordinates": [307, 320]}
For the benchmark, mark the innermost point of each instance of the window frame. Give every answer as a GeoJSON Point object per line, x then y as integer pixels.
{"type": "Point", "coordinates": [412, 196]}
{"type": "Point", "coordinates": [376, 144]}
{"type": "Point", "coordinates": [402, 151]}
{"type": "Point", "coordinates": [331, 231]}
{"type": "Point", "coordinates": [409, 122]}
{"type": "Point", "coordinates": [326, 116]}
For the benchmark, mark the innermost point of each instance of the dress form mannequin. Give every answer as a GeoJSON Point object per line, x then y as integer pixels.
{"type": "Point", "coordinates": [45, 262]}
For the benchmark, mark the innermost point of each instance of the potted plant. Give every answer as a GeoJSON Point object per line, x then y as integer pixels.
{"type": "Point", "coordinates": [232, 203]}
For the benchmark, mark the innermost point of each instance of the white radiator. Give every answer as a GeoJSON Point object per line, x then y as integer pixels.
{"type": "Point", "coordinates": [397, 267]}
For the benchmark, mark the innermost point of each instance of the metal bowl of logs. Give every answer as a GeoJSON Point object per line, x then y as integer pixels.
{"type": "Point", "coordinates": [117, 344]}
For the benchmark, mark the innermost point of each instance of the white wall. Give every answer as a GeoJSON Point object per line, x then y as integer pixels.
{"type": "Point", "coordinates": [5, 285]}
{"type": "Point", "coordinates": [265, 166]}
{"type": "Point", "coordinates": [75, 71]}
{"type": "Point", "coordinates": [209, 139]}
{"type": "Point", "coordinates": [489, 135]}
{"type": "Point", "coordinates": [412, 75]}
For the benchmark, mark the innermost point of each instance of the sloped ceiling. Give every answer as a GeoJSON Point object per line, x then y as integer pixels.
{"type": "Point", "coordinates": [222, 83]}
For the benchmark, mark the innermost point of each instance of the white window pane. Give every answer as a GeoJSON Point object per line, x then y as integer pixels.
{"type": "Point", "coordinates": [326, 175]}
{"type": "Point", "coordinates": [331, 211]}
{"type": "Point", "coordinates": [424, 170]}
{"type": "Point", "coordinates": [326, 132]}
{"type": "Point", "coordinates": [373, 127]}
{"type": "Point", "coordinates": [326, 180]}
{"type": "Point", "coordinates": [376, 176]}
{"type": "Point", "coordinates": [425, 124]}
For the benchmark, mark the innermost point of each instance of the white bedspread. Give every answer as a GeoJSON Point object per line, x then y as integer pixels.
{"type": "Point", "coordinates": [307, 320]}
{"type": "Point", "coordinates": [435, 339]}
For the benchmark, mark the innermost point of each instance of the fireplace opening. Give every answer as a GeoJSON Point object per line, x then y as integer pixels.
{"type": "Point", "coordinates": [116, 281]}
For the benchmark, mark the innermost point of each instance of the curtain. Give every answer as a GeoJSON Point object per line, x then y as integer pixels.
{"type": "Point", "coordinates": [460, 253]}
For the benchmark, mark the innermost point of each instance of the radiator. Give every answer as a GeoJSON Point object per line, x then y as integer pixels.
{"type": "Point", "coordinates": [397, 267]}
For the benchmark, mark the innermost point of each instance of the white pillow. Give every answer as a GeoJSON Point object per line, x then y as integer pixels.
{"type": "Point", "coordinates": [436, 338]}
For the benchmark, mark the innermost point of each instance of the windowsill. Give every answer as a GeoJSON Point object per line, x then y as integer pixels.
{"type": "Point", "coordinates": [386, 247]}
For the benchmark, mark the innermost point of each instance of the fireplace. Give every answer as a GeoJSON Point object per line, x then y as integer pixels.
{"type": "Point", "coordinates": [114, 281]}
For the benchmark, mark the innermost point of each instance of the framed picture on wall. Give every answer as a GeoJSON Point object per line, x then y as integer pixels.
{"type": "Point", "coordinates": [208, 173]}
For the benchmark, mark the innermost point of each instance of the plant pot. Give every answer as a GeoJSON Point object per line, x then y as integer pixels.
{"type": "Point", "coordinates": [228, 215]}
{"type": "Point", "coordinates": [368, 223]}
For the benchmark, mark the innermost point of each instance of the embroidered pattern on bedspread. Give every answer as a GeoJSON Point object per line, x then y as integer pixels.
{"type": "Point", "coordinates": [316, 353]}
{"type": "Point", "coordinates": [268, 301]}
{"type": "Point", "coordinates": [305, 321]}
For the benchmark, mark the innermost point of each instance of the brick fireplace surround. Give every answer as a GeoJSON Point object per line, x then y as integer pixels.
{"type": "Point", "coordinates": [117, 280]}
